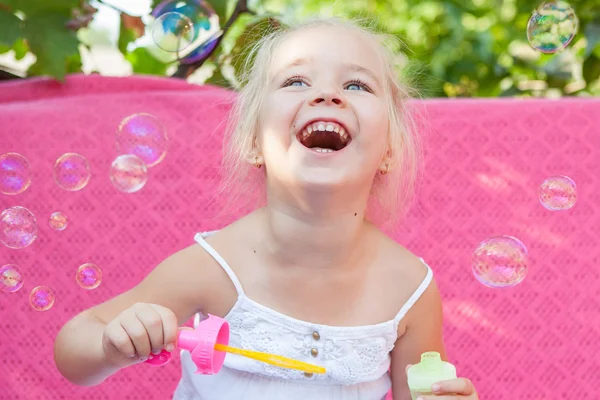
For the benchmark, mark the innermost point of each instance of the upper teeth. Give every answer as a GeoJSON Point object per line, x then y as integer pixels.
{"type": "Point", "coordinates": [321, 126]}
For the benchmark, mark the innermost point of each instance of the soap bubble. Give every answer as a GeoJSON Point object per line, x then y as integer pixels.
{"type": "Point", "coordinates": [203, 49]}
{"type": "Point", "coordinates": [552, 27]}
{"type": "Point", "coordinates": [11, 279]}
{"type": "Point", "coordinates": [72, 172]}
{"type": "Point", "coordinates": [41, 298]}
{"type": "Point", "coordinates": [558, 193]}
{"type": "Point", "coordinates": [88, 276]}
{"type": "Point", "coordinates": [58, 221]}
{"type": "Point", "coordinates": [144, 136]}
{"type": "Point", "coordinates": [173, 32]}
{"type": "Point", "coordinates": [203, 18]}
{"type": "Point", "coordinates": [128, 173]}
{"type": "Point", "coordinates": [500, 262]}
{"type": "Point", "coordinates": [18, 227]}
{"type": "Point", "coordinates": [15, 173]}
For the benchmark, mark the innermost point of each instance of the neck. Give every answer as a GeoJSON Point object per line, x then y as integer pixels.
{"type": "Point", "coordinates": [318, 234]}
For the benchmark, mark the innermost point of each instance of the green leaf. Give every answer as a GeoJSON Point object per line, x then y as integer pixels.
{"type": "Point", "coordinates": [144, 63]}
{"type": "Point", "coordinates": [11, 28]}
{"type": "Point", "coordinates": [9, 5]}
{"type": "Point", "coordinates": [591, 69]}
{"type": "Point", "coordinates": [21, 49]}
{"type": "Point", "coordinates": [255, 30]}
{"type": "Point", "coordinates": [51, 43]}
{"type": "Point", "coordinates": [218, 79]}
{"type": "Point", "coordinates": [74, 63]}
{"type": "Point", "coordinates": [29, 7]}
{"type": "Point", "coordinates": [221, 8]}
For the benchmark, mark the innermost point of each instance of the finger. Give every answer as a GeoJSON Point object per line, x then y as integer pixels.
{"type": "Point", "coordinates": [407, 367]}
{"type": "Point", "coordinates": [153, 324]}
{"type": "Point", "coordinates": [138, 334]}
{"type": "Point", "coordinates": [169, 327]}
{"type": "Point", "coordinates": [119, 340]}
{"type": "Point", "coordinates": [461, 386]}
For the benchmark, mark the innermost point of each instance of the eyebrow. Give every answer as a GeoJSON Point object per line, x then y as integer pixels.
{"type": "Point", "coordinates": [351, 66]}
{"type": "Point", "coordinates": [360, 68]}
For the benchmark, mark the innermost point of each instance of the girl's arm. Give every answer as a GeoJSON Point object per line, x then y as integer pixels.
{"type": "Point", "coordinates": [423, 333]}
{"type": "Point", "coordinates": [182, 283]}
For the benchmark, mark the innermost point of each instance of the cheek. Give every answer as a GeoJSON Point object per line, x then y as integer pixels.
{"type": "Point", "coordinates": [277, 115]}
{"type": "Point", "coordinates": [374, 125]}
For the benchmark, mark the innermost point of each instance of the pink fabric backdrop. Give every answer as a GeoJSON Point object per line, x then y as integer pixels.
{"type": "Point", "coordinates": [487, 158]}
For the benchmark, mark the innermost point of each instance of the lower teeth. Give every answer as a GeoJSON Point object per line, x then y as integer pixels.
{"type": "Point", "coordinates": [320, 150]}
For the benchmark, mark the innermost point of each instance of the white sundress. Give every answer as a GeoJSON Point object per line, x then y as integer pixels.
{"type": "Point", "coordinates": [357, 358]}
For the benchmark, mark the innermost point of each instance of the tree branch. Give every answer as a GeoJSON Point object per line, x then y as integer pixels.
{"type": "Point", "coordinates": [111, 6]}
{"type": "Point", "coordinates": [185, 70]}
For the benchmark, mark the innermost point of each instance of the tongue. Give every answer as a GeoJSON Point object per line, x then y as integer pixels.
{"type": "Point", "coordinates": [324, 140]}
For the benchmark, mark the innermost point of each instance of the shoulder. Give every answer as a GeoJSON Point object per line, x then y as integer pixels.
{"type": "Point", "coordinates": [192, 273]}
{"type": "Point", "coordinates": [195, 277]}
{"type": "Point", "coordinates": [401, 265]}
{"type": "Point", "coordinates": [408, 279]}
{"type": "Point", "coordinates": [185, 282]}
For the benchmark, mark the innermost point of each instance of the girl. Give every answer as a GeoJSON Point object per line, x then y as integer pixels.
{"type": "Point", "coordinates": [307, 276]}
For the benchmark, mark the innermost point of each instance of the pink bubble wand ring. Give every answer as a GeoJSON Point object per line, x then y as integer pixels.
{"type": "Point", "coordinates": [209, 344]}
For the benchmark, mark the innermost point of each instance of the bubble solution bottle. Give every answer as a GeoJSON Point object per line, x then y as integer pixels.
{"type": "Point", "coordinates": [430, 370]}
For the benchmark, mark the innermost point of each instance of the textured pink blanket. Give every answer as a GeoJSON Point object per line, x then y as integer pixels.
{"type": "Point", "coordinates": [487, 158]}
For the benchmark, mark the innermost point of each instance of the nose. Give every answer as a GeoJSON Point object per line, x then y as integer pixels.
{"type": "Point", "coordinates": [328, 97]}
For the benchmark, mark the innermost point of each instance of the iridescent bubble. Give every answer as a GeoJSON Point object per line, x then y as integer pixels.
{"type": "Point", "coordinates": [203, 49]}
{"type": "Point", "coordinates": [128, 173]}
{"type": "Point", "coordinates": [552, 27]}
{"type": "Point", "coordinates": [11, 279]}
{"type": "Point", "coordinates": [72, 172]}
{"type": "Point", "coordinates": [88, 276]}
{"type": "Point", "coordinates": [58, 221]}
{"type": "Point", "coordinates": [558, 193]}
{"type": "Point", "coordinates": [500, 262]}
{"type": "Point", "coordinates": [15, 173]}
{"type": "Point", "coordinates": [41, 298]}
{"type": "Point", "coordinates": [18, 227]}
{"type": "Point", "coordinates": [173, 32]}
{"type": "Point", "coordinates": [203, 18]}
{"type": "Point", "coordinates": [144, 136]}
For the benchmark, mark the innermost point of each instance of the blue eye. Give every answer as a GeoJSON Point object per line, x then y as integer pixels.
{"type": "Point", "coordinates": [357, 85]}
{"type": "Point", "coordinates": [296, 83]}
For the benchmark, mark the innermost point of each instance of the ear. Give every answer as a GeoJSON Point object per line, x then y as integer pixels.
{"type": "Point", "coordinates": [386, 162]}
{"type": "Point", "coordinates": [255, 156]}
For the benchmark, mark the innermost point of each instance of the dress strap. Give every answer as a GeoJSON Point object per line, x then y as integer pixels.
{"type": "Point", "coordinates": [210, 250]}
{"type": "Point", "coordinates": [416, 295]}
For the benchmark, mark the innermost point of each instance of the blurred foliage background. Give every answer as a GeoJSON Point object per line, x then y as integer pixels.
{"type": "Point", "coordinates": [452, 48]}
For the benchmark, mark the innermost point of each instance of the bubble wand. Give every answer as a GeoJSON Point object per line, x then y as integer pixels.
{"type": "Point", "coordinates": [209, 343]}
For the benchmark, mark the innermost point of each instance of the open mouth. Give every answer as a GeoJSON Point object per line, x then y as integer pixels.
{"type": "Point", "coordinates": [324, 136]}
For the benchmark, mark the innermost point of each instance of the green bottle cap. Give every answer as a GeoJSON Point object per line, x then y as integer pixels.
{"type": "Point", "coordinates": [430, 370]}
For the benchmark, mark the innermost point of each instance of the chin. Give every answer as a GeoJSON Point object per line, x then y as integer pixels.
{"type": "Point", "coordinates": [324, 179]}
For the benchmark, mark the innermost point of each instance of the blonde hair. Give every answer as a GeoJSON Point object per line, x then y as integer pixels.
{"type": "Point", "coordinates": [391, 193]}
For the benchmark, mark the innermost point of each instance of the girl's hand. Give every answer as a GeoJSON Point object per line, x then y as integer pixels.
{"type": "Point", "coordinates": [454, 389]}
{"type": "Point", "coordinates": [139, 331]}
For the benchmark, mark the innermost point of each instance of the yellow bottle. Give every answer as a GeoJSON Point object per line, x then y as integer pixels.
{"type": "Point", "coordinates": [430, 370]}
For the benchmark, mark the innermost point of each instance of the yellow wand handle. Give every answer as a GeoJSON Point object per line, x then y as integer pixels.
{"type": "Point", "coordinates": [272, 359]}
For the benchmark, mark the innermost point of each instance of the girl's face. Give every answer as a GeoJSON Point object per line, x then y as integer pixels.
{"type": "Point", "coordinates": [324, 122]}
